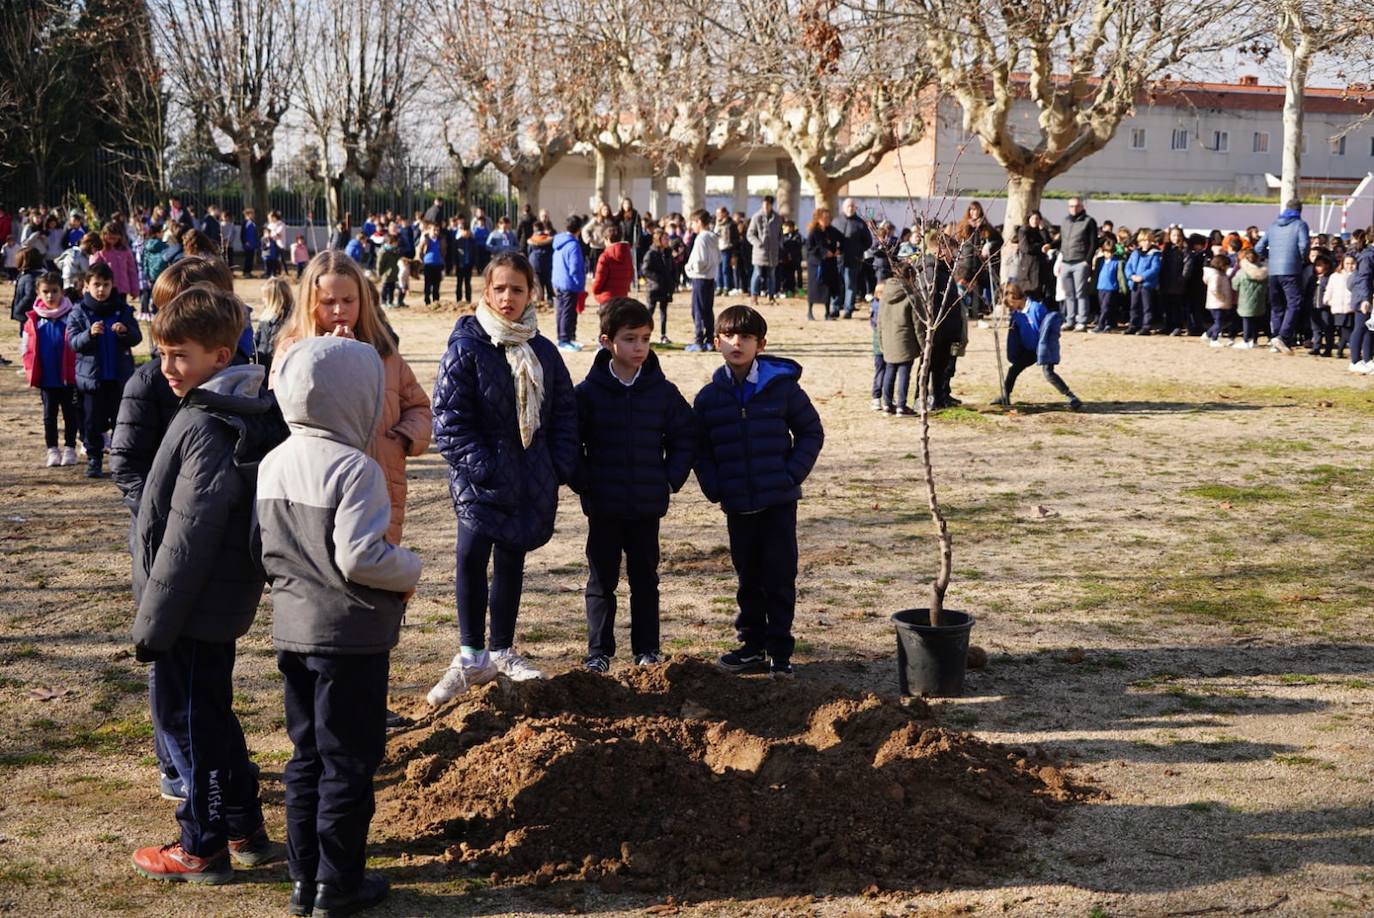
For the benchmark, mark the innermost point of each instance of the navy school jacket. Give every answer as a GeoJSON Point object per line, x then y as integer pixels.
{"type": "Point", "coordinates": [636, 442]}
{"type": "Point", "coordinates": [757, 442]}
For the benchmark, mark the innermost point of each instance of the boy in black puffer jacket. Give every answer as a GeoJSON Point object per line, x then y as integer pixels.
{"type": "Point", "coordinates": [197, 583]}
{"type": "Point", "coordinates": [637, 438]}
{"type": "Point", "coordinates": [760, 436]}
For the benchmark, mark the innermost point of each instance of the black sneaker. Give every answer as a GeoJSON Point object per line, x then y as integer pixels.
{"type": "Point", "coordinates": [1076, 404]}
{"type": "Point", "coordinates": [396, 721]}
{"type": "Point", "coordinates": [598, 663]}
{"type": "Point", "coordinates": [302, 897]}
{"type": "Point", "coordinates": [332, 902]}
{"type": "Point", "coordinates": [781, 669]}
{"type": "Point", "coordinates": [744, 660]}
{"type": "Point", "coordinates": [93, 468]}
{"type": "Point", "coordinates": [652, 658]}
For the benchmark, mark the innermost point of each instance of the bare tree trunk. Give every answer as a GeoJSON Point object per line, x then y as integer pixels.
{"type": "Point", "coordinates": [1297, 60]}
{"type": "Point", "coordinates": [333, 202]}
{"type": "Point", "coordinates": [789, 189]}
{"type": "Point", "coordinates": [603, 178]}
{"type": "Point", "coordinates": [692, 184]}
{"type": "Point", "coordinates": [940, 584]}
{"type": "Point", "coordinates": [527, 188]}
{"type": "Point", "coordinates": [1024, 193]}
{"type": "Point", "coordinates": [827, 190]}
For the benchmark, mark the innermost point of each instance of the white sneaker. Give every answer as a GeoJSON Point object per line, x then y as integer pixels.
{"type": "Point", "coordinates": [1368, 368]}
{"type": "Point", "coordinates": [877, 404]}
{"type": "Point", "coordinates": [514, 666]}
{"type": "Point", "coordinates": [460, 676]}
{"type": "Point", "coordinates": [1354, 366]}
{"type": "Point", "coordinates": [68, 456]}
{"type": "Point", "coordinates": [54, 456]}
{"type": "Point", "coordinates": [1217, 342]}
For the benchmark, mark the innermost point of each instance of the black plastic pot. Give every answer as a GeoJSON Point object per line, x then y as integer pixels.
{"type": "Point", "coordinates": [932, 660]}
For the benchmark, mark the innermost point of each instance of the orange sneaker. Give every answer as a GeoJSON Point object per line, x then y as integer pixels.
{"type": "Point", "coordinates": [256, 850]}
{"type": "Point", "coordinates": [173, 863]}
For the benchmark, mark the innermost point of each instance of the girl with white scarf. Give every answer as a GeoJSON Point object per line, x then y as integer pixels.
{"type": "Point", "coordinates": [505, 419]}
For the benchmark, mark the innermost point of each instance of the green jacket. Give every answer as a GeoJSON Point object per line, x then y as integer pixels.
{"type": "Point", "coordinates": [388, 262]}
{"type": "Point", "coordinates": [1252, 290]}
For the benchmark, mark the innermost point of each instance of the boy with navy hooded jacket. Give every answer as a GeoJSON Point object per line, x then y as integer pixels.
{"type": "Point", "coordinates": [759, 438]}
{"type": "Point", "coordinates": [636, 441]}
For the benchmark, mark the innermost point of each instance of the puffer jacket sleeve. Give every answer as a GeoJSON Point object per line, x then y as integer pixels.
{"type": "Point", "coordinates": [361, 518]}
{"type": "Point", "coordinates": [417, 418]}
{"type": "Point", "coordinates": [132, 334]}
{"type": "Point", "coordinates": [708, 473]}
{"type": "Point", "coordinates": [207, 486]}
{"type": "Point", "coordinates": [579, 478]}
{"type": "Point", "coordinates": [79, 332]}
{"type": "Point", "coordinates": [25, 293]}
{"type": "Point", "coordinates": [680, 446]}
{"type": "Point", "coordinates": [562, 432]}
{"type": "Point", "coordinates": [144, 413]}
{"type": "Point", "coordinates": [1047, 350]}
{"type": "Point", "coordinates": [807, 435]}
{"type": "Point", "coordinates": [456, 423]}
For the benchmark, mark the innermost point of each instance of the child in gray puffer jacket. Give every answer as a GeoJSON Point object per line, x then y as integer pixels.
{"type": "Point", "coordinates": [338, 593]}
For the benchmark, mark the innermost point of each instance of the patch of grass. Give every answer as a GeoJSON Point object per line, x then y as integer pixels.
{"type": "Point", "coordinates": [959, 415]}
{"type": "Point", "coordinates": [1234, 495]}
{"type": "Point", "coordinates": [537, 634]}
{"type": "Point", "coordinates": [25, 759]}
{"type": "Point", "coordinates": [1303, 761]}
{"type": "Point", "coordinates": [1298, 679]}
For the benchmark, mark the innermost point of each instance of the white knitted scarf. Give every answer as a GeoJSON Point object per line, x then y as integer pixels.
{"type": "Point", "coordinates": [514, 339]}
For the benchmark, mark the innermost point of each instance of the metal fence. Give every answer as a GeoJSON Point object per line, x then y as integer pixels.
{"type": "Point", "coordinates": [105, 183]}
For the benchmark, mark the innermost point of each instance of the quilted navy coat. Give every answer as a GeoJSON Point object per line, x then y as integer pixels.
{"type": "Point", "coordinates": [500, 489]}
{"type": "Point", "coordinates": [758, 441]}
{"type": "Point", "coordinates": [107, 357]}
{"type": "Point", "coordinates": [636, 442]}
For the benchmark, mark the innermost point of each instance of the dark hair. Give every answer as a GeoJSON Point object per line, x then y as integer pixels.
{"type": "Point", "coordinates": [624, 312]}
{"type": "Point", "coordinates": [573, 224]}
{"type": "Point", "coordinates": [201, 313]}
{"type": "Point", "coordinates": [768, 199]}
{"type": "Point", "coordinates": [611, 232]}
{"type": "Point", "coordinates": [100, 271]}
{"type": "Point", "coordinates": [515, 261]}
{"type": "Point", "coordinates": [742, 320]}
{"type": "Point", "coordinates": [1221, 263]}
{"type": "Point", "coordinates": [31, 259]}
{"type": "Point", "coordinates": [51, 279]}
{"type": "Point", "coordinates": [702, 217]}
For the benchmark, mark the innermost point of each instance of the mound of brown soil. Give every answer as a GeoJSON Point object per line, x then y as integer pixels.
{"type": "Point", "coordinates": [680, 778]}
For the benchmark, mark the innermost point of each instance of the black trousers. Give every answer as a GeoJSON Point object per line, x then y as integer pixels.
{"type": "Point", "coordinates": [471, 591]}
{"type": "Point", "coordinates": [101, 407]}
{"type": "Point", "coordinates": [248, 261]}
{"type": "Point", "coordinates": [464, 290]}
{"type": "Point", "coordinates": [565, 315]}
{"type": "Point", "coordinates": [1051, 377]}
{"type": "Point", "coordinates": [62, 400]}
{"type": "Point", "coordinates": [193, 694]}
{"type": "Point", "coordinates": [763, 547]}
{"type": "Point", "coordinates": [433, 275]}
{"type": "Point", "coordinates": [607, 539]}
{"type": "Point", "coordinates": [336, 718]}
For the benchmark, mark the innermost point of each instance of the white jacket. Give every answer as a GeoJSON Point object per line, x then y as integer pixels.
{"type": "Point", "coordinates": [1337, 295]}
{"type": "Point", "coordinates": [705, 257]}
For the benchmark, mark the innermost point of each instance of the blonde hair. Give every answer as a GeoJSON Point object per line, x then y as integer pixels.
{"type": "Point", "coordinates": [370, 327]}
{"type": "Point", "coordinates": [276, 299]}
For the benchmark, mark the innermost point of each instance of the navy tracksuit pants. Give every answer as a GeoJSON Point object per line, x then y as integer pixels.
{"type": "Point", "coordinates": [607, 539]}
{"type": "Point", "coordinates": [703, 311]}
{"type": "Point", "coordinates": [193, 694]}
{"type": "Point", "coordinates": [763, 546]}
{"type": "Point", "coordinates": [1285, 302]}
{"type": "Point", "coordinates": [336, 718]}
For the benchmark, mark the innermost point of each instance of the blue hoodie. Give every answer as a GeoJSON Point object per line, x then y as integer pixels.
{"type": "Point", "coordinates": [569, 267]}
{"type": "Point", "coordinates": [1034, 331]}
{"type": "Point", "coordinates": [1108, 280]}
{"type": "Point", "coordinates": [758, 441]}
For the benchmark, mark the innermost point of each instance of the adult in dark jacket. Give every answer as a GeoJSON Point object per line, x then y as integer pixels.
{"type": "Point", "coordinates": [434, 214]}
{"type": "Point", "coordinates": [1032, 267]}
{"type": "Point", "coordinates": [823, 247]}
{"type": "Point", "coordinates": [1285, 243]}
{"type": "Point", "coordinates": [505, 419]}
{"type": "Point", "coordinates": [1077, 245]}
{"type": "Point", "coordinates": [857, 241]}
{"type": "Point", "coordinates": [636, 445]}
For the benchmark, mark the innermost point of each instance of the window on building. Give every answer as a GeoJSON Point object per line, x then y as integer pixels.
{"type": "Point", "coordinates": [1179, 140]}
{"type": "Point", "coordinates": [1338, 146]}
{"type": "Point", "coordinates": [1261, 142]}
{"type": "Point", "coordinates": [1137, 138]}
{"type": "Point", "coordinates": [1221, 141]}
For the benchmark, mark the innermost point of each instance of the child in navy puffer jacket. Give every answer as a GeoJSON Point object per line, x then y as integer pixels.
{"type": "Point", "coordinates": [760, 436]}
{"type": "Point", "coordinates": [505, 419]}
{"type": "Point", "coordinates": [637, 439]}
{"type": "Point", "coordinates": [102, 330]}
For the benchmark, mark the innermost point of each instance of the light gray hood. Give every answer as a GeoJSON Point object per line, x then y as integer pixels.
{"type": "Point", "coordinates": [333, 388]}
{"type": "Point", "coordinates": [237, 381]}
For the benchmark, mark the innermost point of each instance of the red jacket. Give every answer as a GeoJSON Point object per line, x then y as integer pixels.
{"type": "Point", "coordinates": [33, 370]}
{"type": "Point", "coordinates": [615, 272]}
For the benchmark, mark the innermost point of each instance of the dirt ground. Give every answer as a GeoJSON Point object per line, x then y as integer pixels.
{"type": "Point", "coordinates": [1174, 588]}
